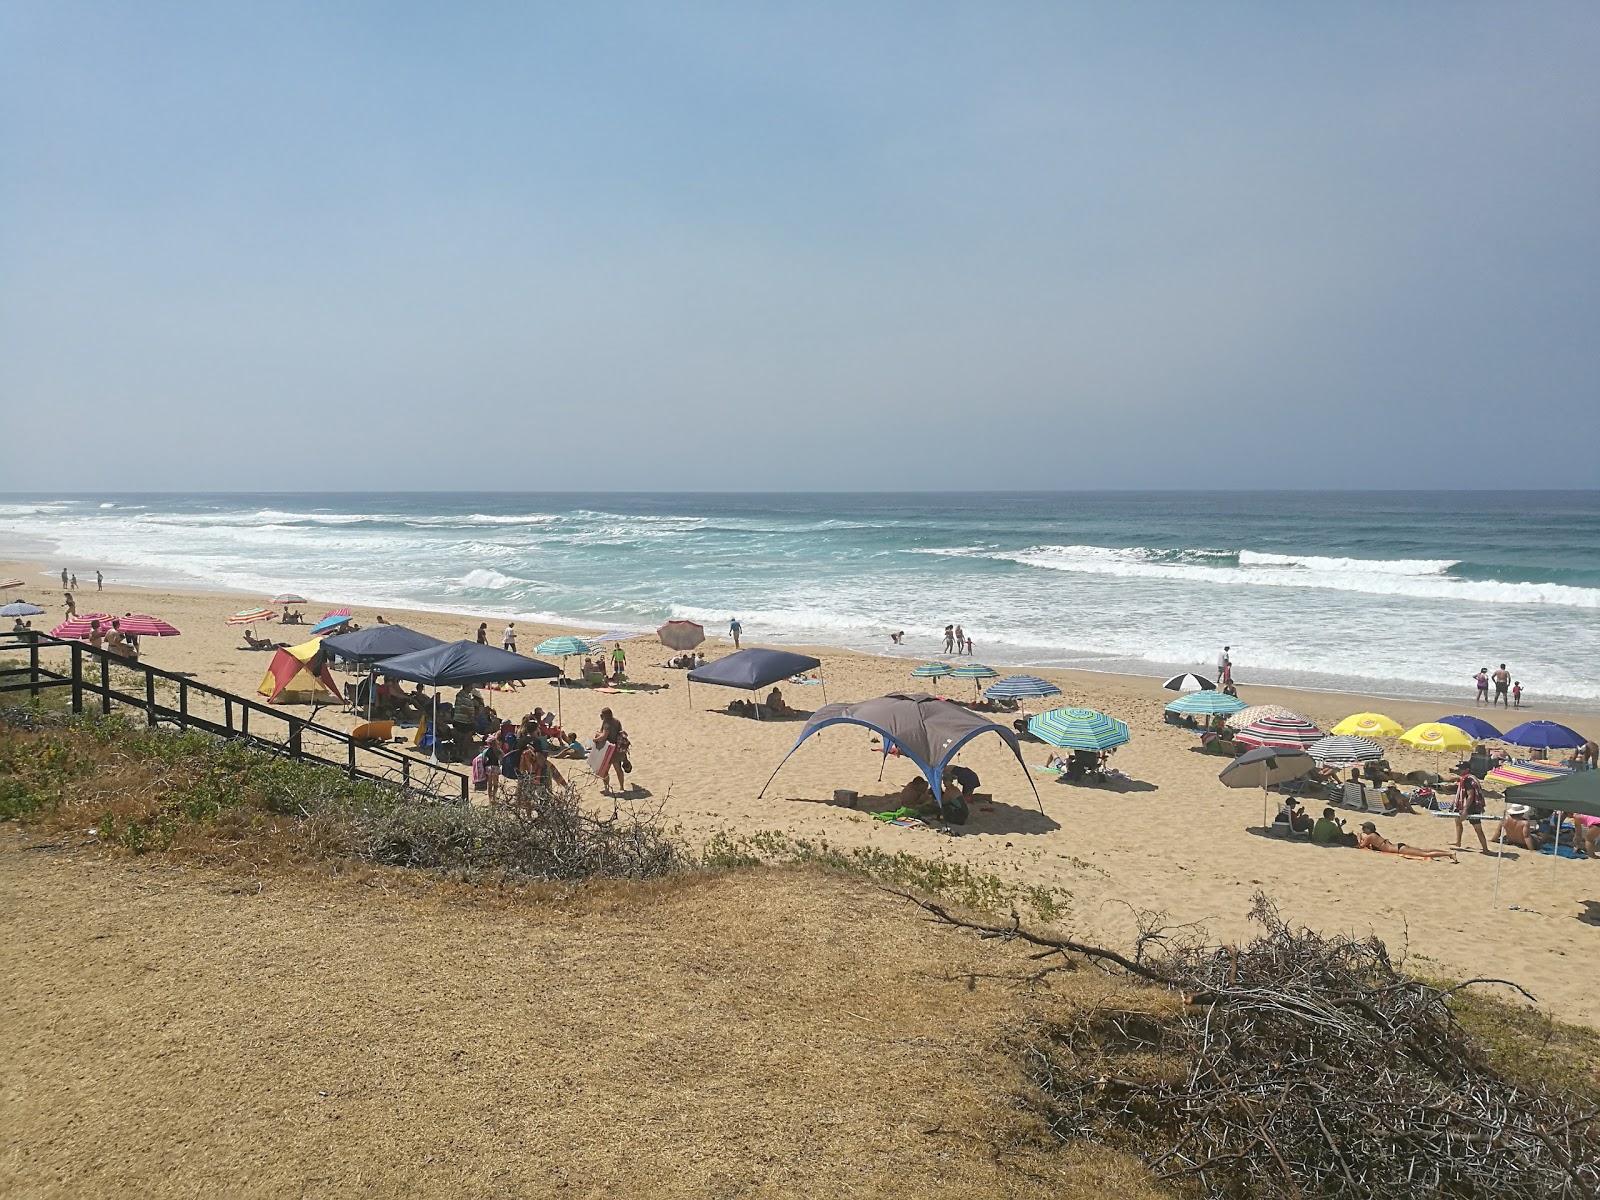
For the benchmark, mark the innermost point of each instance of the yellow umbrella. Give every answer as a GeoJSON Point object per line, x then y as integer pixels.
{"type": "Point", "coordinates": [1441, 739]}
{"type": "Point", "coordinates": [1368, 725]}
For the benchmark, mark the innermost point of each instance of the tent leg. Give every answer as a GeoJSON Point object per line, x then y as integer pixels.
{"type": "Point", "coordinates": [433, 726]}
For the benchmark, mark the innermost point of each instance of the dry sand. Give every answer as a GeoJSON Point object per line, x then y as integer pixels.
{"type": "Point", "coordinates": [1174, 840]}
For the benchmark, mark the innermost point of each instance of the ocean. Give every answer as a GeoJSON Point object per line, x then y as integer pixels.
{"type": "Point", "coordinates": [1397, 593]}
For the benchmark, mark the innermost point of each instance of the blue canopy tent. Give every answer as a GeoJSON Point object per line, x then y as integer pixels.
{"type": "Point", "coordinates": [367, 646]}
{"type": "Point", "coordinates": [754, 669]}
{"type": "Point", "coordinates": [458, 664]}
{"type": "Point", "coordinates": [927, 730]}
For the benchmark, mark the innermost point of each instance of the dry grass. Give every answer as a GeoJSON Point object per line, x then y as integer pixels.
{"type": "Point", "coordinates": [182, 1031]}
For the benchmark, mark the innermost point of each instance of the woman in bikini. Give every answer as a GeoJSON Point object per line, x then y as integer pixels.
{"type": "Point", "coordinates": [1370, 839]}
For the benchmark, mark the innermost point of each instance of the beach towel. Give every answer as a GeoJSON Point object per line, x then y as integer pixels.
{"type": "Point", "coordinates": [1566, 851]}
{"type": "Point", "coordinates": [898, 814]}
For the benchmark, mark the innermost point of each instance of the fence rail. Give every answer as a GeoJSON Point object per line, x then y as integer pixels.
{"type": "Point", "coordinates": [89, 673]}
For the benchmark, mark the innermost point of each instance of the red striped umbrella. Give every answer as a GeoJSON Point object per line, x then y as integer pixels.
{"type": "Point", "coordinates": [78, 627]}
{"type": "Point", "coordinates": [10, 583]}
{"type": "Point", "coordinates": [1280, 733]}
{"type": "Point", "coordinates": [142, 626]}
{"type": "Point", "coordinates": [335, 612]}
{"type": "Point", "coordinates": [249, 616]}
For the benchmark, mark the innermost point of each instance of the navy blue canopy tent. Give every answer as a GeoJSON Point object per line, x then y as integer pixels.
{"type": "Point", "coordinates": [378, 642]}
{"type": "Point", "coordinates": [927, 730]}
{"type": "Point", "coordinates": [459, 664]}
{"type": "Point", "coordinates": [754, 669]}
{"type": "Point", "coordinates": [453, 664]}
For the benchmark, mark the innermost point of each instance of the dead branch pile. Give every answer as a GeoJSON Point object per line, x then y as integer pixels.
{"type": "Point", "coordinates": [1300, 1065]}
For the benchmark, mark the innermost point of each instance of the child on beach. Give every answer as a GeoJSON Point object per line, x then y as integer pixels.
{"type": "Point", "coordinates": [1516, 695]}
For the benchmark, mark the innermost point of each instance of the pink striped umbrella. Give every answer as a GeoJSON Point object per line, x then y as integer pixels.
{"type": "Point", "coordinates": [10, 583]}
{"type": "Point", "coordinates": [78, 628]}
{"type": "Point", "coordinates": [142, 626]}
{"type": "Point", "coordinates": [335, 612]}
{"type": "Point", "coordinates": [1281, 733]}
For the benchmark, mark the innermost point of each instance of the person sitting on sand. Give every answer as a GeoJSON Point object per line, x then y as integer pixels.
{"type": "Point", "coordinates": [1293, 817]}
{"type": "Point", "coordinates": [1370, 839]}
{"type": "Point", "coordinates": [776, 704]}
{"type": "Point", "coordinates": [1396, 801]}
{"type": "Point", "coordinates": [1330, 831]}
{"type": "Point", "coordinates": [916, 793]}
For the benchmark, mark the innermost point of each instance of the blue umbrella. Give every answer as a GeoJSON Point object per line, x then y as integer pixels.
{"type": "Point", "coordinates": [1078, 729]}
{"type": "Point", "coordinates": [20, 608]}
{"type": "Point", "coordinates": [328, 623]}
{"type": "Point", "coordinates": [1207, 704]}
{"type": "Point", "coordinates": [1471, 726]}
{"type": "Point", "coordinates": [1019, 687]}
{"type": "Point", "coordinates": [1545, 733]}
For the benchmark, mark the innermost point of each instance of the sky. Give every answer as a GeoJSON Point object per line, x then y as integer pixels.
{"type": "Point", "coordinates": [798, 246]}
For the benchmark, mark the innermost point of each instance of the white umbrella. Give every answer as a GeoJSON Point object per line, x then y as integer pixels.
{"type": "Point", "coordinates": [1189, 683]}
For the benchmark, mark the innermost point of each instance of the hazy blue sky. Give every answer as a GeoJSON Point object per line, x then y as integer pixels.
{"type": "Point", "coordinates": [861, 245]}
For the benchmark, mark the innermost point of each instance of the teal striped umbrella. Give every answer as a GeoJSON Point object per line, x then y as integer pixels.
{"type": "Point", "coordinates": [563, 646]}
{"type": "Point", "coordinates": [932, 670]}
{"type": "Point", "coordinates": [1020, 687]}
{"type": "Point", "coordinates": [974, 671]}
{"type": "Point", "coordinates": [1078, 729]}
{"type": "Point", "coordinates": [1207, 704]}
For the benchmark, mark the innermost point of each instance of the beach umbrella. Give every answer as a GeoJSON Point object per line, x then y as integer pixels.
{"type": "Point", "coordinates": [1020, 687]}
{"type": "Point", "coordinates": [932, 670]}
{"type": "Point", "coordinates": [974, 671]}
{"type": "Point", "coordinates": [1078, 729]}
{"type": "Point", "coordinates": [1436, 738]}
{"type": "Point", "coordinates": [1189, 683]}
{"type": "Point", "coordinates": [1264, 767]}
{"type": "Point", "coordinates": [77, 628]}
{"type": "Point", "coordinates": [1517, 773]}
{"type": "Point", "coordinates": [288, 598]}
{"type": "Point", "coordinates": [20, 608]}
{"type": "Point", "coordinates": [1475, 727]}
{"type": "Point", "coordinates": [1368, 725]}
{"type": "Point", "coordinates": [332, 621]}
{"type": "Point", "coordinates": [1578, 792]}
{"type": "Point", "coordinates": [564, 648]}
{"type": "Point", "coordinates": [1342, 750]}
{"type": "Point", "coordinates": [142, 626]}
{"type": "Point", "coordinates": [337, 612]}
{"type": "Point", "coordinates": [249, 616]}
{"type": "Point", "coordinates": [1257, 712]}
{"type": "Point", "coordinates": [9, 583]}
{"type": "Point", "coordinates": [681, 635]}
{"type": "Point", "coordinates": [1282, 733]}
{"type": "Point", "coordinates": [1208, 704]}
{"type": "Point", "coordinates": [1545, 734]}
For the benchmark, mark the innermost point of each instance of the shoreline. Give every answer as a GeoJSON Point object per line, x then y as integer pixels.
{"type": "Point", "coordinates": [145, 579]}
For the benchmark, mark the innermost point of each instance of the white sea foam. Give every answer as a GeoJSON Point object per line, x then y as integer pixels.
{"type": "Point", "coordinates": [1313, 562]}
{"type": "Point", "coordinates": [486, 579]}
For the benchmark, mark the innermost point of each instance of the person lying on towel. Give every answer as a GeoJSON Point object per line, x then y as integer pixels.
{"type": "Point", "coordinates": [1370, 839]}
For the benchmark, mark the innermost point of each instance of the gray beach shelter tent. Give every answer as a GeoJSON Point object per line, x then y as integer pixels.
{"type": "Point", "coordinates": [927, 730]}
{"type": "Point", "coordinates": [755, 669]}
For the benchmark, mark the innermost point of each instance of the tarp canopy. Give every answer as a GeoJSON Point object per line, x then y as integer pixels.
{"type": "Point", "coordinates": [753, 669]}
{"type": "Point", "coordinates": [378, 642]}
{"type": "Point", "coordinates": [451, 664]}
{"type": "Point", "coordinates": [297, 675]}
{"type": "Point", "coordinates": [1575, 793]}
{"type": "Point", "coordinates": [927, 730]}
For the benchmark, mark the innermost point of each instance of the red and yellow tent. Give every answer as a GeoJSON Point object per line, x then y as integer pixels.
{"type": "Point", "coordinates": [298, 675]}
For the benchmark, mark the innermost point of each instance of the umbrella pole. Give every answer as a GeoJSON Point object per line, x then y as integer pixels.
{"type": "Point", "coordinates": [1556, 853]}
{"type": "Point", "coordinates": [433, 726]}
{"type": "Point", "coordinates": [1499, 857]}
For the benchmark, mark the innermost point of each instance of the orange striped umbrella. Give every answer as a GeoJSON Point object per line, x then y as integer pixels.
{"type": "Point", "coordinates": [249, 616]}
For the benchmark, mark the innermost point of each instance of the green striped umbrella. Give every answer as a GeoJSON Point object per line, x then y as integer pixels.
{"type": "Point", "coordinates": [566, 647]}
{"type": "Point", "coordinates": [1078, 729]}
{"type": "Point", "coordinates": [1207, 704]}
{"type": "Point", "coordinates": [974, 671]}
{"type": "Point", "coordinates": [932, 670]}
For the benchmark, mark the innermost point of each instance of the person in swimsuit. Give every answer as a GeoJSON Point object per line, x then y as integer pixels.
{"type": "Point", "coordinates": [1502, 685]}
{"type": "Point", "coordinates": [1469, 809]}
{"type": "Point", "coordinates": [483, 633]}
{"type": "Point", "coordinates": [1370, 839]}
{"type": "Point", "coordinates": [1482, 680]}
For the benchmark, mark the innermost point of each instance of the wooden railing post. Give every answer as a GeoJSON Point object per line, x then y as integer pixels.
{"type": "Point", "coordinates": [227, 713]}
{"type": "Point", "coordinates": [33, 666]}
{"type": "Point", "coordinates": [351, 747]}
{"type": "Point", "coordinates": [150, 699]}
{"type": "Point", "coordinates": [296, 734]}
{"type": "Point", "coordinates": [183, 704]}
{"type": "Point", "coordinates": [77, 679]}
{"type": "Point", "coordinates": [244, 719]}
{"type": "Point", "coordinates": [105, 684]}
{"type": "Point", "coordinates": [405, 773]}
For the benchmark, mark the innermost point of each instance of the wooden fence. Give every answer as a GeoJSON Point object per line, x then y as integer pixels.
{"type": "Point", "coordinates": [89, 673]}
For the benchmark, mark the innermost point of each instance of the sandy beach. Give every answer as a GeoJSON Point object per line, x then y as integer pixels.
{"type": "Point", "coordinates": [1171, 839]}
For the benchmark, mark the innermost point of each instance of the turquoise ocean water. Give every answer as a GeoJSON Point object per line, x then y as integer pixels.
{"type": "Point", "coordinates": [1402, 593]}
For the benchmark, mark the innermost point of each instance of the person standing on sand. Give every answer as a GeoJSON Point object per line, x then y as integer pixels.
{"type": "Point", "coordinates": [961, 639]}
{"type": "Point", "coordinates": [483, 633]}
{"type": "Point", "coordinates": [63, 579]}
{"type": "Point", "coordinates": [99, 582]}
{"type": "Point", "coordinates": [508, 639]}
{"type": "Point", "coordinates": [1482, 680]}
{"type": "Point", "coordinates": [969, 647]}
{"type": "Point", "coordinates": [74, 584]}
{"type": "Point", "coordinates": [72, 605]}
{"type": "Point", "coordinates": [1502, 685]}
{"type": "Point", "coordinates": [949, 638]}
{"type": "Point", "coordinates": [1516, 694]}
{"type": "Point", "coordinates": [734, 630]}
{"type": "Point", "coordinates": [619, 662]}
{"type": "Point", "coordinates": [1224, 668]}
